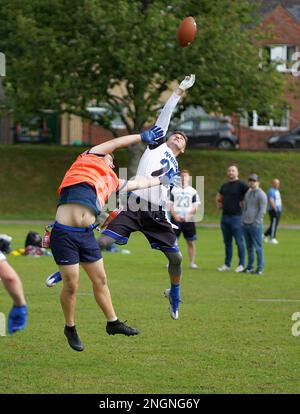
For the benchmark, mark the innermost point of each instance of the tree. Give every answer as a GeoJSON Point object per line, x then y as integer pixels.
{"type": "Point", "coordinates": [64, 54]}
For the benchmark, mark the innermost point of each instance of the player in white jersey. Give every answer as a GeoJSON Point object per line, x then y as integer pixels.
{"type": "Point", "coordinates": [146, 210]}
{"type": "Point", "coordinates": [184, 202]}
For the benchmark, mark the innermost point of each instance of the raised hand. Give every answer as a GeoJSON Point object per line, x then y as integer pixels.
{"type": "Point", "coordinates": [152, 135]}
{"type": "Point", "coordinates": [187, 82]}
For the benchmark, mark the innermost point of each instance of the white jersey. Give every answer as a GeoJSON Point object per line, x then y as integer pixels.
{"type": "Point", "coordinates": [153, 163]}
{"type": "Point", "coordinates": [158, 160]}
{"type": "Point", "coordinates": [184, 200]}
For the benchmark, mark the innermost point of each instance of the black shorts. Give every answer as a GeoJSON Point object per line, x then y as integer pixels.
{"type": "Point", "coordinates": [71, 247]}
{"type": "Point", "coordinates": [187, 229]}
{"type": "Point", "coordinates": [153, 224]}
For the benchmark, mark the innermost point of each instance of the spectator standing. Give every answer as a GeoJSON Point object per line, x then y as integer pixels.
{"type": "Point", "coordinates": [184, 202]}
{"type": "Point", "coordinates": [274, 210]}
{"type": "Point", "coordinates": [229, 198]}
{"type": "Point", "coordinates": [255, 206]}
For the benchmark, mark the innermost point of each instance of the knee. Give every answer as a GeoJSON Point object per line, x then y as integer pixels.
{"type": "Point", "coordinates": [100, 280]}
{"type": "Point", "coordinates": [8, 277]}
{"type": "Point", "coordinates": [175, 259]}
{"type": "Point", "coordinates": [70, 288]}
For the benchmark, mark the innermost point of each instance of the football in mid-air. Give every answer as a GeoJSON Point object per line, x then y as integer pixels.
{"type": "Point", "coordinates": [186, 31]}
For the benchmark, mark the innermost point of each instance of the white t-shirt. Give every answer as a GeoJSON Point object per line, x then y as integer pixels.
{"type": "Point", "coordinates": [158, 160]}
{"type": "Point", "coordinates": [184, 200]}
{"type": "Point", "coordinates": [153, 163]}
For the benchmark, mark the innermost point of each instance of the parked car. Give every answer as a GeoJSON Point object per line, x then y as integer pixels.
{"type": "Point", "coordinates": [37, 129]}
{"type": "Point", "coordinates": [289, 140]}
{"type": "Point", "coordinates": [208, 131]}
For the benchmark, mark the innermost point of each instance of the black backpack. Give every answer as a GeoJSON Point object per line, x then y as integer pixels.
{"type": "Point", "coordinates": [5, 246]}
{"type": "Point", "coordinates": [33, 239]}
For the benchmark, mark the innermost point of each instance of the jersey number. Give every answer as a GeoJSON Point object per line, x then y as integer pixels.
{"type": "Point", "coordinates": [165, 168]}
{"type": "Point", "coordinates": [182, 201]}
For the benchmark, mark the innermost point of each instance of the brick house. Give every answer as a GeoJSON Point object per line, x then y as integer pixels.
{"type": "Point", "coordinates": [283, 17]}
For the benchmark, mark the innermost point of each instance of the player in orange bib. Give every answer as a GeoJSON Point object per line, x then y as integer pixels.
{"type": "Point", "coordinates": [83, 192]}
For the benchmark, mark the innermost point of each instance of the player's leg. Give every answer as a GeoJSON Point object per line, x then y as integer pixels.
{"type": "Point", "coordinates": [97, 275]}
{"type": "Point", "coordinates": [122, 226]}
{"type": "Point", "coordinates": [174, 269]}
{"type": "Point", "coordinates": [65, 250]}
{"type": "Point", "coordinates": [17, 318]}
{"type": "Point", "coordinates": [12, 282]}
{"type": "Point", "coordinates": [70, 277]}
{"type": "Point", "coordinates": [192, 253]}
{"type": "Point", "coordinates": [160, 234]}
{"type": "Point", "coordinates": [189, 232]}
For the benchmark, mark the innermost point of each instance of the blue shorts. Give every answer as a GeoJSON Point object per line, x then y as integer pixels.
{"type": "Point", "coordinates": [71, 247]}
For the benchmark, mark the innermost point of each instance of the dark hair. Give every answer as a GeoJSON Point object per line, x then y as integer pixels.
{"type": "Point", "coordinates": [182, 134]}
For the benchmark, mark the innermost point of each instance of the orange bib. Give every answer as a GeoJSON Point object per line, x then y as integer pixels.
{"type": "Point", "coordinates": [91, 169]}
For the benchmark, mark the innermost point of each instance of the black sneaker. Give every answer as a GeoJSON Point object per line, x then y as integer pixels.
{"type": "Point", "coordinates": [259, 272]}
{"type": "Point", "coordinates": [73, 339]}
{"type": "Point", "coordinates": [118, 327]}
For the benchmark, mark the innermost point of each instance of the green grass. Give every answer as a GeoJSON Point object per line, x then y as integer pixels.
{"type": "Point", "coordinates": [30, 176]}
{"type": "Point", "coordinates": [230, 338]}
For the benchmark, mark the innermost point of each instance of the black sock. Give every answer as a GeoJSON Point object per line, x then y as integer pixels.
{"type": "Point", "coordinates": [70, 328]}
{"type": "Point", "coordinates": [116, 322]}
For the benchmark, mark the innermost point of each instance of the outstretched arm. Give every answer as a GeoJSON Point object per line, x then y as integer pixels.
{"type": "Point", "coordinates": [116, 143]}
{"type": "Point", "coordinates": [149, 136]}
{"type": "Point", "coordinates": [164, 118]}
{"type": "Point", "coordinates": [139, 183]}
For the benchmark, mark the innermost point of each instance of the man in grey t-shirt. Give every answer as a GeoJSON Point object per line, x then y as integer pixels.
{"type": "Point", "coordinates": [255, 205]}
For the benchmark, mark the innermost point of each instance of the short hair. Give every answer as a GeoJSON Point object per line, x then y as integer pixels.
{"type": "Point", "coordinates": [182, 134]}
{"type": "Point", "coordinates": [185, 172]}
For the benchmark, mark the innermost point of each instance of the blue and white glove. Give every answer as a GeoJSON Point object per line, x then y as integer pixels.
{"type": "Point", "coordinates": [170, 178]}
{"type": "Point", "coordinates": [152, 135]}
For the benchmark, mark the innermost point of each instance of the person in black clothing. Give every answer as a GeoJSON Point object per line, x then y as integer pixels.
{"type": "Point", "coordinates": [229, 198]}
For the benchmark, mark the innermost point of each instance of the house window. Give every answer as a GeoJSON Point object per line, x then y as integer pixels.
{"type": "Point", "coordinates": [264, 122]}
{"type": "Point", "coordinates": [281, 55]}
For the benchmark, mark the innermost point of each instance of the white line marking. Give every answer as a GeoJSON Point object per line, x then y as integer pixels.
{"type": "Point", "coordinates": [276, 300]}
{"type": "Point", "coordinates": [265, 300]}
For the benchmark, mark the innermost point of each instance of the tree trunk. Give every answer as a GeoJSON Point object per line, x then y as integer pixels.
{"type": "Point", "coordinates": [135, 153]}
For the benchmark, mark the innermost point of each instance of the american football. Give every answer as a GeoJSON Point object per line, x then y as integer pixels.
{"type": "Point", "coordinates": [187, 31]}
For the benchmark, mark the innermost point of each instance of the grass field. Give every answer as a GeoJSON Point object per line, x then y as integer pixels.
{"type": "Point", "coordinates": [233, 335]}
